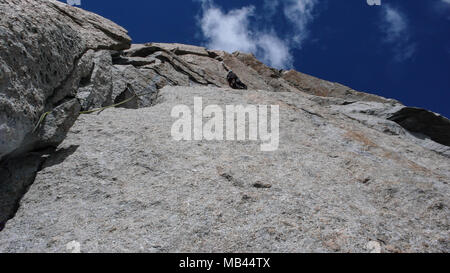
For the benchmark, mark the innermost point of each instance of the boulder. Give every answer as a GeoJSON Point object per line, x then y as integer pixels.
{"type": "Point", "coordinates": [422, 127]}
{"type": "Point", "coordinates": [139, 84]}
{"type": "Point", "coordinates": [95, 89]}
{"type": "Point", "coordinates": [424, 122]}
{"type": "Point", "coordinates": [41, 44]}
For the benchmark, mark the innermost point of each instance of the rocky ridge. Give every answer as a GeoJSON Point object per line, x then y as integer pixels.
{"type": "Point", "coordinates": [353, 169]}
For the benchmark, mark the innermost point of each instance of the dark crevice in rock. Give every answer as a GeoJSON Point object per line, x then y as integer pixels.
{"type": "Point", "coordinates": [17, 175]}
{"type": "Point", "coordinates": [421, 121]}
{"type": "Point", "coordinates": [85, 81]}
{"type": "Point", "coordinates": [311, 113]}
{"type": "Point", "coordinates": [51, 103]}
{"type": "Point", "coordinates": [261, 185]}
{"type": "Point", "coordinates": [144, 52]}
{"type": "Point", "coordinates": [130, 61]}
{"type": "Point", "coordinates": [214, 55]}
{"type": "Point", "coordinates": [180, 52]}
{"type": "Point", "coordinates": [127, 94]}
{"type": "Point", "coordinates": [115, 53]}
{"type": "Point", "coordinates": [117, 59]}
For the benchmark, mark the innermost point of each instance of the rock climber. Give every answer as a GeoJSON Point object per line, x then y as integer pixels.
{"type": "Point", "coordinates": [234, 81]}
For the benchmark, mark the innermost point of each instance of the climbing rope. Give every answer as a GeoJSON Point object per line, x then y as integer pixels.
{"type": "Point", "coordinates": [41, 119]}
{"type": "Point", "coordinates": [110, 106]}
{"type": "Point", "coordinates": [44, 115]}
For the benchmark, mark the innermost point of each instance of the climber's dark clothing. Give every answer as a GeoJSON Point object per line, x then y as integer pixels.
{"type": "Point", "coordinates": [231, 76]}
{"type": "Point", "coordinates": [234, 81]}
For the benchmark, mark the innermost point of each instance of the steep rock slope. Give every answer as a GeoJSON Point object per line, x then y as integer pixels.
{"type": "Point", "coordinates": [120, 183]}
{"type": "Point", "coordinates": [57, 61]}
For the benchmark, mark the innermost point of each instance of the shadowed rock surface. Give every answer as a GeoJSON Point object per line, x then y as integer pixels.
{"type": "Point", "coordinates": [354, 171]}
{"type": "Point", "coordinates": [424, 122]}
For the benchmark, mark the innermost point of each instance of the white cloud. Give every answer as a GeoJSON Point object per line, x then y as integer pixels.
{"type": "Point", "coordinates": [395, 25]}
{"type": "Point", "coordinates": [275, 52]}
{"type": "Point", "coordinates": [446, 1]}
{"type": "Point", "coordinates": [234, 31]}
{"type": "Point", "coordinates": [300, 14]}
{"type": "Point", "coordinates": [229, 32]}
{"type": "Point", "coordinates": [397, 33]}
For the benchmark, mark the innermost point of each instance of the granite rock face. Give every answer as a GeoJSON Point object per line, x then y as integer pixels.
{"type": "Point", "coordinates": [53, 59]}
{"type": "Point", "coordinates": [120, 183]}
{"type": "Point", "coordinates": [41, 44]}
{"type": "Point", "coordinates": [354, 172]}
{"type": "Point", "coordinates": [420, 126]}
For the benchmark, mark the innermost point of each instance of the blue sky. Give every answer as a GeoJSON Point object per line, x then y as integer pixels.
{"type": "Point", "coordinates": [400, 49]}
